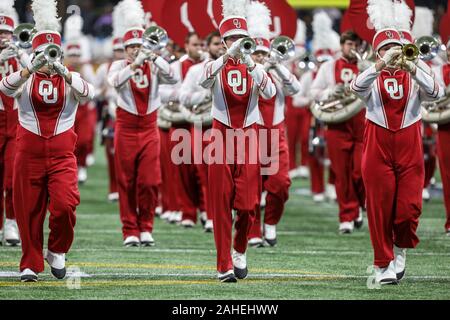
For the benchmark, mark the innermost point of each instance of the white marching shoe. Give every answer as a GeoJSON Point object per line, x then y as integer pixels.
{"type": "Point", "coordinates": [330, 191]}
{"type": "Point", "coordinates": [256, 242]}
{"type": "Point", "coordinates": [82, 174]}
{"type": "Point", "coordinates": [270, 234]}
{"type": "Point", "coordinates": [303, 172]}
{"type": "Point", "coordinates": [28, 275]}
{"type": "Point", "coordinates": [166, 215]}
{"type": "Point", "coordinates": [227, 276]}
{"type": "Point", "coordinates": [386, 275]}
{"type": "Point", "coordinates": [90, 160]}
{"type": "Point", "coordinates": [158, 211]}
{"type": "Point", "coordinates": [113, 196]}
{"type": "Point", "coordinates": [187, 223]}
{"type": "Point", "coordinates": [426, 196]}
{"type": "Point", "coordinates": [209, 226]}
{"type": "Point", "coordinates": [131, 241]}
{"type": "Point", "coordinates": [359, 222]}
{"type": "Point", "coordinates": [399, 262]}
{"type": "Point", "coordinates": [346, 227]}
{"type": "Point", "coordinates": [240, 264]}
{"type": "Point", "coordinates": [263, 202]}
{"type": "Point", "coordinates": [318, 197]}
{"type": "Point", "coordinates": [57, 263]}
{"type": "Point", "coordinates": [146, 239]}
{"type": "Point", "coordinates": [11, 233]}
{"type": "Point", "coordinates": [175, 217]}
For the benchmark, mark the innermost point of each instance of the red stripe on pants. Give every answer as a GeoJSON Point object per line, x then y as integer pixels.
{"type": "Point", "coordinates": [345, 143]}
{"type": "Point", "coordinates": [137, 146]}
{"type": "Point", "coordinates": [8, 128]}
{"type": "Point", "coordinates": [444, 165]}
{"type": "Point", "coordinates": [45, 177]}
{"type": "Point", "coordinates": [393, 173]}
{"type": "Point", "coordinates": [231, 186]}
{"type": "Point", "coordinates": [276, 184]}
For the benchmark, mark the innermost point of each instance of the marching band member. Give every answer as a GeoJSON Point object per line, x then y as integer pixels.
{"type": "Point", "coordinates": [9, 63]}
{"type": "Point", "coordinates": [45, 169]}
{"type": "Point", "coordinates": [344, 140]}
{"type": "Point", "coordinates": [136, 141]}
{"type": "Point", "coordinates": [443, 76]}
{"type": "Point", "coordinates": [234, 173]}
{"type": "Point", "coordinates": [192, 94]}
{"type": "Point", "coordinates": [84, 127]}
{"type": "Point", "coordinates": [276, 179]}
{"type": "Point", "coordinates": [109, 96]}
{"type": "Point", "coordinates": [392, 163]}
{"type": "Point", "coordinates": [188, 188]}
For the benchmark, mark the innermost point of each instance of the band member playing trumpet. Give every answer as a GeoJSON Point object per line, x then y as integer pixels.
{"type": "Point", "coordinates": [392, 162]}
{"type": "Point", "coordinates": [236, 82]}
{"type": "Point", "coordinates": [277, 181]}
{"type": "Point", "coordinates": [45, 169]}
{"type": "Point", "coordinates": [344, 140]}
{"type": "Point", "coordinates": [137, 144]}
{"type": "Point", "coordinates": [443, 77]}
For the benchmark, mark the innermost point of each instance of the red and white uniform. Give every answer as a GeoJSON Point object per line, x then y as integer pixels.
{"type": "Point", "coordinates": [84, 122]}
{"type": "Point", "coordinates": [109, 95]}
{"type": "Point", "coordinates": [187, 184]}
{"type": "Point", "coordinates": [191, 94]}
{"type": "Point", "coordinates": [344, 140]}
{"type": "Point", "coordinates": [271, 121]}
{"type": "Point", "coordinates": [392, 163]}
{"type": "Point", "coordinates": [136, 141]}
{"type": "Point", "coordinates": [234, 185]}
{"type": "Point", "coordinates": [8, 126]}
{"type": "Point", "coordinates": [45, 169]}
{"type": "Point", "coordinates": [443, 77]}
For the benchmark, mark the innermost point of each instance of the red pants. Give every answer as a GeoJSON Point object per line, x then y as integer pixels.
{"type": "Point", "coordinates": [444, 165]}
{"type": "Point", "coordinates": [232, 186]}
{"type": "Point", "coordinates": [393, 173]}
{"type": "Point", "coordinates": [8, 127]}
{"type": "Point", "coordinates": [83, 130]}
{"type": "Point", "coordinates": [201, 168]}
{"type": "Point", "coordinates": [169, 199]}
{"type": "Point", "coordinates": [45, 177]}
{"type": "Point", "coordinates": [429, 151]}
{"type": "Point", "coordinates": [297, 121]}
{"type": "Point", "coordinates": [316, 165]}
{"type": "Point", "coordinates": [109, 151]}
{"type": "Point", "coordinates": [137, 146]}
{"type": "Point", "coordinates": [277, 185]}
{"type": "Point", "coordinates": [186, 183]}
{"type": "Point", "coordinates": [345, 143]}
{"type": "Point", "coordinates": [93, 115]}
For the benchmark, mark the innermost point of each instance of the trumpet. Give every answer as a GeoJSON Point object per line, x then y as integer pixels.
{"type": "Point", "coordinates": [155, 38]}
{"type": "Point", "coordinates": [52, 53]}
{"type": "Point", "coordinates": [23, 35]}
{"type": "Point", "coordinates": [425, 48]}
{"type": "Point", "coordinates": [247, 46]}
{"type": "Point", "coordinates": [282, 48]}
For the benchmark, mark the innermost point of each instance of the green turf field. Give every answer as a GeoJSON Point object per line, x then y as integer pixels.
{"type": "Point", "coordinates": [311, 261]}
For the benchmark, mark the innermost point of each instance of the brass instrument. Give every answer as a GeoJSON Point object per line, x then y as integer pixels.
{"type": "Point", "coordinates": [171, 113]}
{"type": "Point", "coordinates": [52, 53]}
{"type": "Point", "coordinates": [23, 35]}
{"type": "Point", "coordinates": [247, 46]}
{"type": "Point", "coordinates": [155, 38]}
{"type": "Point", "coordinates": [200, 113]}
{"type": "Point", "coordinates": [282, 48]}
{"type": "Point", "coordinates": [425, 48]}
{"type": "Point", "coordinates": [436, 111]}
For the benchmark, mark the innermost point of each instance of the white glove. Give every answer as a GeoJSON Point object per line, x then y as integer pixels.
{"type": "Point", "coordinates": [247, 59]}
{"type": "Point", "coordinates": [143, 56]}
{"type": "Point", "coordinates": [60, 69]}
{"type": "Point", "coordinates": [339, 90]}
{"type": "Point", "coordinates": [8, 53]}
{"type": "Point", "coordinates": [391, 55]}
{"type": "Point", "coordinates": [406, 65]}
{"type": "Point", "coordinates": [234, 50]}
{"type": "Point", "coordinates": [37, 63]}
{"type": "Point", "coordinates": [363, 65]}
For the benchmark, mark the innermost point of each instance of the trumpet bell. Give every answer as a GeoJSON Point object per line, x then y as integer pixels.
{"type": "Point", "coordinates": [283, 47]}
{"type": "Point", "coordinates": [428, 47]}
{"type": "Point", "coordinates": [410, 51]}
{"type": "Point", "coordinates": [52, 53]}
{"type": "Point", "coordinates": [155, 38]}
{"type": "Point", "coordinates": [23, 34]}
{"type": "Point", "coordinates": [248, 46]}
